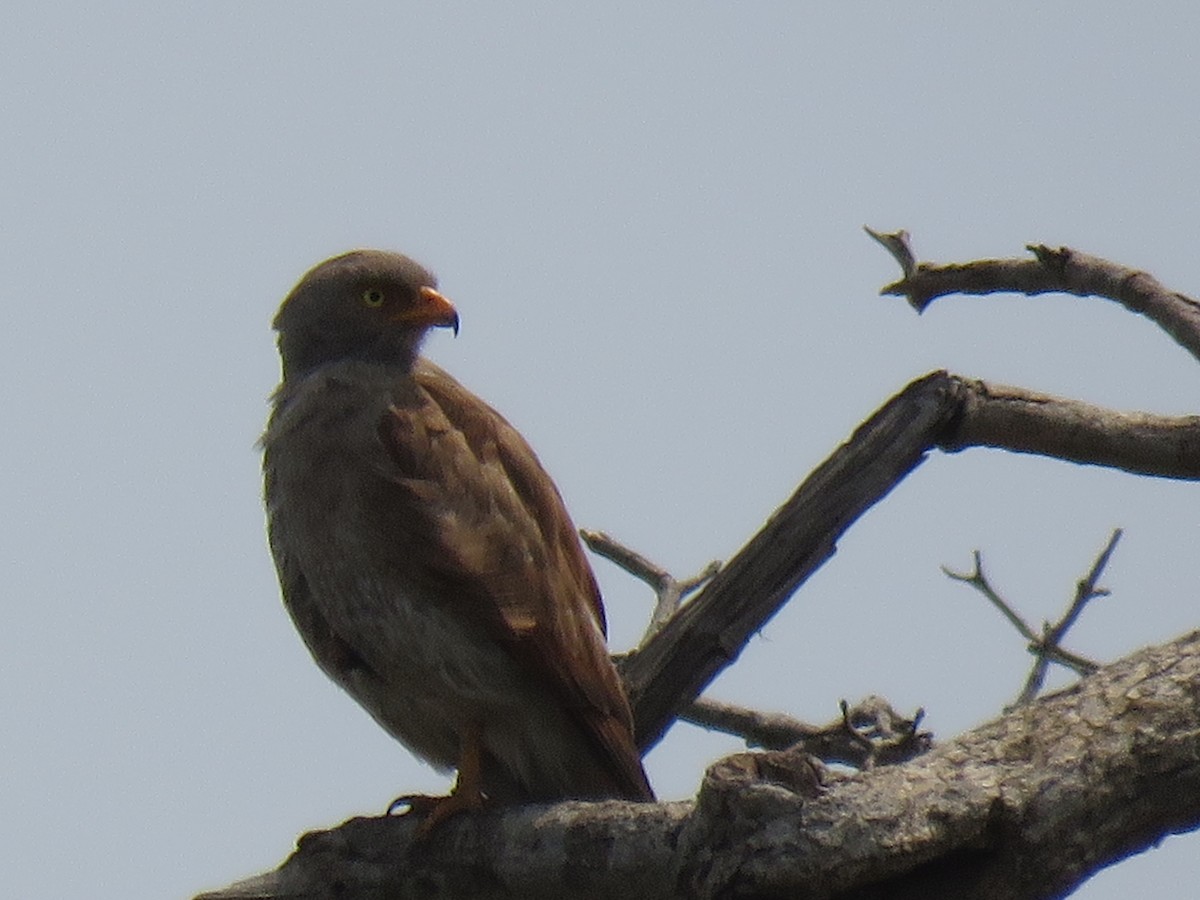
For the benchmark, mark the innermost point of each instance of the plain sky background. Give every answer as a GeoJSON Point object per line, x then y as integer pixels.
{"type": "Point", "coordinates": [649, 216]}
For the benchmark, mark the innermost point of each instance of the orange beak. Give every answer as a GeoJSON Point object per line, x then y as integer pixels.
{"type": "Point", "coordinates": [432, 309]}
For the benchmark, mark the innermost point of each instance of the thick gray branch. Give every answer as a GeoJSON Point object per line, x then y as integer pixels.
{"type": "Point", "coordinates": [1011, 418]}
{"type": "Point", "coordinates": [1025, 806]}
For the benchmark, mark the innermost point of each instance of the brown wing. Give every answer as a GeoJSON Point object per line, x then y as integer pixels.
{"type": "Point", "coordinates": [496, 536]}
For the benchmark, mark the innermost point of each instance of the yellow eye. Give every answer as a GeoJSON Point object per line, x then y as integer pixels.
{"type": "Point", "coordinates": [373, 297]}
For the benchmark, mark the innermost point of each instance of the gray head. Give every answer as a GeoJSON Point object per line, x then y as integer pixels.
{"type": "Point", "coordinates": [366, 304]}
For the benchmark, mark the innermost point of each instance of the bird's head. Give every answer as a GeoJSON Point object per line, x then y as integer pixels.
{"type": "Point", "coordinates": [367, 304]}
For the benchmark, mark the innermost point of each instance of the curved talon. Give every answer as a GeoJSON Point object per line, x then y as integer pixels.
{"type": "Point", "coordinates": [418, 804]}
{"type": "Point", "coordinates": [467, 793]}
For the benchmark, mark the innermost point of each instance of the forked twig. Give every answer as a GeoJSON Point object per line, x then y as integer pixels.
{"type": "Point", "coordinates": [669, 591]}
{"type": "Point", "coordinates": [1046, 646]}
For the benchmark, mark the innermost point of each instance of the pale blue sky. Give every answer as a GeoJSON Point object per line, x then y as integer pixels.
{"type": "Point", "coordinates": [649, 217]}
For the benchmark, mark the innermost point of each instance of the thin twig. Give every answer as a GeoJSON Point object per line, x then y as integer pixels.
{"type": "Point", "coordinates": [1045, 649]}
{"type": "Point", "coordinates": [1079, 664]}
{"type": "Point", "coordinates": [669, 591]}
{"type": "Point", "coordinates": [1045, 646]}
{"type": "Point", "coordinates": [896, 243]}
{"type": "Point", "coordinates": [769, 731]}
{"type": "Point", "coordinates": [1086, 589]}
{"type": "Point", "coordinates": [865, 735]}
{"type": "Point", "coordinates": [978, 580]}
{"type": "Point", "coordinates": [625, 557]}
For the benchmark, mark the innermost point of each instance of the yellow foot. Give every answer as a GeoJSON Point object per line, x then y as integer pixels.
{"type": "Point", "coordinates": [436, 810]}
{"type": "Point", "coordinates": [467, 793]}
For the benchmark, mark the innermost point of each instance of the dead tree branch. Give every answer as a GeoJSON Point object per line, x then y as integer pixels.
{"type": "Point", "coordinates": [1025, 806]}
{"type": "Point", "coordinates": [674, 666]}
{"type": "Point", "coordinates": [867, 734]}
{"type": "Point", "coordinates": [1023, 421]}
{"type": "Point", "coordinates": [669, 591]}
{"type": "Point", "coordinates": [937, 411]}
{"type": "Point", "coordinates": [1052, 270]}
{"type": "Point", "coordinates": [1047, 646]}
{"type": "Point", "coordinates": [979, 581]}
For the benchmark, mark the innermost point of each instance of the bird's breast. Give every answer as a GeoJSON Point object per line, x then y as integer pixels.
{"type": "Point", "coordinates": [410, 657]}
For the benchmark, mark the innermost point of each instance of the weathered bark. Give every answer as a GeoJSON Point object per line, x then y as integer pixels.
{"type": "Point", "coordinates": [1052, 270]}
{"type": "Point", "coordinates": [1025, 806]}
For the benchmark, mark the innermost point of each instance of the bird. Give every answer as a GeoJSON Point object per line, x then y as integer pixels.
{"type": "Point", "coordinates": [426, 557]}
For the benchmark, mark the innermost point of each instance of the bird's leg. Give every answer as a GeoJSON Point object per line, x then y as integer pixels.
{"type": "Point", "coordinates": [467, 793]}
